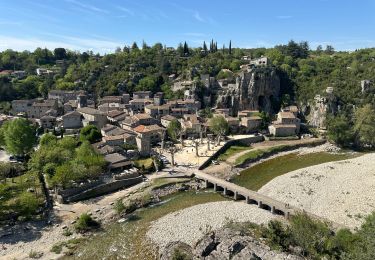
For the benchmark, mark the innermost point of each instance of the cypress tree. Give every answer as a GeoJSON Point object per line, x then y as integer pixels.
{"type": "Point", "coordinates": [204, 46]}
{"type": "Point", "coordinates": [230, 47]}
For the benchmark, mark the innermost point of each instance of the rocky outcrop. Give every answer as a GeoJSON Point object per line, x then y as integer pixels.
{"type": "Point", "coordinates": [254, 90]}
{"type": "Point", "coordinates": [316, 112]}
{"type": "Point", "coordinates": [225, 244]}
{"type": "Point", "coordinates": [229, 244]}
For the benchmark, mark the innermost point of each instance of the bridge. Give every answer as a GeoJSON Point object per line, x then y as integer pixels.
{"type": "Point", "coordinates": [253, 197]}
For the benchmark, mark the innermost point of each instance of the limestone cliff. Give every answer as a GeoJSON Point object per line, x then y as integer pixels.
{"type": "Point", "coordinates": [253, 90]}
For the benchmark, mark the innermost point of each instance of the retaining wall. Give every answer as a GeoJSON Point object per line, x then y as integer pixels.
{"type": "Point", "coordinates": [243, 141]}
{"type": "Point", "coordinates": [102, 189]}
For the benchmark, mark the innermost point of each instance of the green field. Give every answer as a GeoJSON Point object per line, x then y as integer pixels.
{"type": "Point", "coordinates": [255, 177]}
{"type": "Point", "coordinates": [252, 155]}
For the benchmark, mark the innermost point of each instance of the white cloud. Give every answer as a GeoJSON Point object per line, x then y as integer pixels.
{"type": "Point", "coordinates": [68, 42]}
{"type": "Point", "coordinates": [126, 10]}
{"type": "Point", "coordinates": [88, 6]}
{"type": "Point", "coordinates": [198, 17]}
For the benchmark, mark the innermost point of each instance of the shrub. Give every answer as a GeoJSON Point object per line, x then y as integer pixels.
{"type": "Point", "coordinates": [277, 234]}
{"type": "Point", "coordinates": [119, 206]}
{"type": "Point", "coordinates": [34, 254]}
{"type": "Point", "coordinates": [85, 223]}
{"type": "Point", "coordinates": [28, 204]}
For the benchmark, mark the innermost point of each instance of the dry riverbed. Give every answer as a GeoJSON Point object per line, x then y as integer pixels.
{"type": "Point", "coordinates": [190, 224]}
{"type": "Point", "coordinates": [342, 191]}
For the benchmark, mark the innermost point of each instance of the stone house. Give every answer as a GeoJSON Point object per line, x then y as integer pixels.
{"type": "Point", "coordinates": [157, 111]}
{"type": "Point", "coordinates": [138, 119]}
{"type": "Point", "coordinates": [48, 122]}
{"type": "Point", "coordinates": [262, 61]}
{"type": "Point", "coordinates": [64, 95]}
{"type": "Point", "coordinates": [71, 120]}
{"type": "Point", "coordinates": [152, 132]}
{"type": "Point", "coordinates": [138, 105]}
{"type": "Point", "coordinates": [106, 107]}
{"type": "Point", "coordinates": [116, 116]}
{"type": "Point", "coordinates": [191, 125]}
{"type": "Point", "coordinates": [21, 106]}
{"type": "Point", "coordinates": [283, 130]}
{"type": "Point", "coordinates": [39, 109]}
{"type": "Point", "coordinates": [93, 116]}
{"type": "Point", "coordinates": [142, 95]}
{"type": "Point", "coordinates": [114, 140]}
{"type": "Point", "coordinates": [287, 124]}
{"type": "Point", "coordinates": [166, 120]}
{"type": "Point", "coordinates": [250, 124]}
{"type": "Point", "coordinates": [234, 124]}
{"type": "Point", "coordinates": [117, 161]}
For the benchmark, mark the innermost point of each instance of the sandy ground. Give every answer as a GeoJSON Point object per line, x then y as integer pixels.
{"type": "Point", "coordinates": [342, 191]}
{"type": "Point", "coordinates": [190, 224]}
{"type": "Point", "coordinates": [4, 157]}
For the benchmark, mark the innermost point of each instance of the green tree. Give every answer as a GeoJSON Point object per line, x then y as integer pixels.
{"type": "Point", "coordinates": [48, 139]}
{"type": "Point", "coordinates": [90, 133]}
{"type": "Point", "coordinates": [364, 125]}
{"type": "Point", "coordinates": [147, 83]}
{"type": "Point", "coordinates": [219, 126]}
{"type": "Point", "coordinates": [339, 130]}
{"type": "Point", "coordinates": [19, 136]}
{"type": "Point", "coordinates": [174, 129]}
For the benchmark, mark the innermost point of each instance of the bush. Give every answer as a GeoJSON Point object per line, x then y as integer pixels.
{"type": "Point", "coordinates": [34, 254]}
{"type": "Point", "coordinates": [86, 223]}
{"type": "Point", "coordinates": [119, 206]}
{"type": "Point", "coordinates": [277, 235]}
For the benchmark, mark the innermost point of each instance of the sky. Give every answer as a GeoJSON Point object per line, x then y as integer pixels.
{"type": "Point", "coordinates": [103, 25]}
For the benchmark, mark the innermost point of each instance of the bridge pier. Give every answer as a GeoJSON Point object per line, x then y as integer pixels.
{"type": "Point", "coordinates": [287, 215]}
{"type": "Point", "coordinates": [225, 192]}
{"type": "Point", "coordinates": [260, 204]}
{"type": "Point", "coordinates": [215, 187]}
{"type": "Point", "coordinates": [235, 197]}
{"type": "Point", "coordinates": [247, 200]}
{"type": "Point", "coordinates": [206, 183]}
{"type": "Point", "coordinates": [273, 210]}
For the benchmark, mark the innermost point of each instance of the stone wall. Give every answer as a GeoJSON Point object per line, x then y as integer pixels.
{"type": "Point", "coordinates": [243, 141]}
{"type": "Point", "coordinates": [102, 189]}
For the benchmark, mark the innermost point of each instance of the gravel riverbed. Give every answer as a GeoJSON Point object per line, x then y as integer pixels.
{"type": "Point", "coordinates": [190, 224]}
{"type": "Point", "coordinates": [342, 191]}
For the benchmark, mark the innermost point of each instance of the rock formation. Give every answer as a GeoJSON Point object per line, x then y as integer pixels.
{"type": "Point", "coordinates": [226, 244]}
{"type": "Point", "coordinates": [253, 90]}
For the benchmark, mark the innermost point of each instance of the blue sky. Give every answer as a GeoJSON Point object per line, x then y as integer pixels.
{"type": "Point", "coordinates": [102, 25]}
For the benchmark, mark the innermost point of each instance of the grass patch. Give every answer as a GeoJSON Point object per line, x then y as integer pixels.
{"type": "Point", "coordinates": [255, 177]}
{"type": "Point", "coordinates": [255, 154]}
{"type": "Point", "coordinates": [145, 164]}
{"type": "Point", "coordinates": [232, 151]}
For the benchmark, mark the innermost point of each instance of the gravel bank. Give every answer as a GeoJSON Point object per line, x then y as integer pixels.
{"type": "Point", "coordinates": [342, 191]}
{"type": "Point", "coordinates": [190, 224]}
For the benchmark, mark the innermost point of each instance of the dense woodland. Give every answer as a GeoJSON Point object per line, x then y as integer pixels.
{"type": "Point", "coordinates": [304, 73]}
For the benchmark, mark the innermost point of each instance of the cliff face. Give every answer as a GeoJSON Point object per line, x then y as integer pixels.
{"type": "Point", "coordinates": [254, 90]}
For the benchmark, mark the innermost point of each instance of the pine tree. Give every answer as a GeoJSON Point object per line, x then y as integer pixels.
{"type": "Point", "coordinates": [230, 47]}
